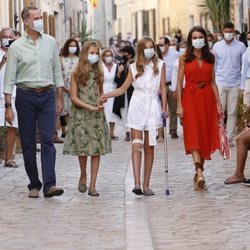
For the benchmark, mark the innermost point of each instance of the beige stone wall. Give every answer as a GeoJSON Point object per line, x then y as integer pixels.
{"type": "Point", "coordinates": [183, 14]}
{"type": "Point", "coordinates": [100, 20]}
{"type": "Point", "coordinates": [170, 15]}
{"type": "Point", "coordinates": [126, 11]}
{"type": "Point", "coordinates": [4, 16]}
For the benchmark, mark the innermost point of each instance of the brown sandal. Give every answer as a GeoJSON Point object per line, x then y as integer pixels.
{"type": "Point", "coordinates": [10, 164]}
{"type": "Point", "coordinates": [199, 183]}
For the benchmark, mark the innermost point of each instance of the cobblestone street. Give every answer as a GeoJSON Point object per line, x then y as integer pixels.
{"type": "Point", "coordinates": [187, 219]}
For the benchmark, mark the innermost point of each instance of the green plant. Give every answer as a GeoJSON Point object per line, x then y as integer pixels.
{"type": "Point", "coordinates": [83, 32]}
{"type": "Point", "coordinates": [218, 10]}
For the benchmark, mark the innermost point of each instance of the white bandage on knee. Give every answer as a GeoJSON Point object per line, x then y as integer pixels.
{"type": "Point", "coordinates": [137, 145]}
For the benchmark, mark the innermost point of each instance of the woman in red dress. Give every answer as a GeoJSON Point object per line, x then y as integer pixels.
{"type": "Point", "coordinates": [198, 104]}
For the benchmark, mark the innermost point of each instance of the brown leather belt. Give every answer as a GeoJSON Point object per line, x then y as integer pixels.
{"type": "Point", "coordinates": [37, 90]}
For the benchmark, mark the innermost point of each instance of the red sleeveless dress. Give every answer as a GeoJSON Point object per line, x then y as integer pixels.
{"type": "Point", "coordinates": [200, 119]}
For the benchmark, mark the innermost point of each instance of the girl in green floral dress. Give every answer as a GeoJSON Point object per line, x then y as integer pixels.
{"type": "Point", "coordinates": [88, 132]}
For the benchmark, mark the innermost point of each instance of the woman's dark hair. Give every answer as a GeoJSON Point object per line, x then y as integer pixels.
{"type": "Point", "coordinates": [205, 52]}
{"type": "Point", "coordinates": [65, 49]}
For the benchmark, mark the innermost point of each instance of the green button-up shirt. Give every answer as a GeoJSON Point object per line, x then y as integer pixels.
{"type": "Point", "coordinates": [33, 65]}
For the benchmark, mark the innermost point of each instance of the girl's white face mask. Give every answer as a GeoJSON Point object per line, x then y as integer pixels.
{"type": "Point", "coordinates": [93, 58]}
{"type": "Point", "coordinates": [149, 53]}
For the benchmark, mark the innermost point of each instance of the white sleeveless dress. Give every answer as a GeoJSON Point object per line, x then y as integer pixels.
{"type": "Point", "coordinates": [108, 86]}
{"type": "Point", "coordinates": [145, 110]}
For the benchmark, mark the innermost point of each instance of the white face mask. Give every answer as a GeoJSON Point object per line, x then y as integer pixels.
{"type": "Point", "coordinates": [182, 51]}
{"type": "Point", "coordinates": [115, 42]}
{"type": "Point", "coordinates": [248, 43]}
{"type": "Point", "coordinates": [108, 59]}
{"type": "Point", "coordinates": [172, 47]}
{"type": "Point", "coordinates": [72, 50]}
{"type": "Point", "coordinates": [38, 25]}
{"type": "Point", "coordinates": [198, 43]}
{"type": "Point", "coordinates": [149, 53]}
{"type": "Point", "coordinates": [162, 49]}
{"type": "Point", "coordinates": [5, 42]}
{"type": "Point", "coordinates": [219, 38]}
{"type": "Point", "coordinates": [92, 58]}
{"type": "Point", "coordinates": [228, 37]}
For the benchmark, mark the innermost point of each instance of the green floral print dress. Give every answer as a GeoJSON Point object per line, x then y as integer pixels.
{"type": "Point", "coordinates": [88, 132]}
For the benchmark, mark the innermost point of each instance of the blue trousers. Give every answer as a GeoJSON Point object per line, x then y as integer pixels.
{"type": "Point", "coordinates": [37, 109]}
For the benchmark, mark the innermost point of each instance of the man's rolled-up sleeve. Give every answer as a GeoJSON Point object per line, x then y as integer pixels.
{"type": "Point", "coordinates": [10, 71]}
{"type": "Point", "coordinates": [57, 70]}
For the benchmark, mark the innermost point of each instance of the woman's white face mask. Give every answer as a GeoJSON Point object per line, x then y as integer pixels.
{"type": "Point", "coordinates": [198, 43]}
{"type": "Point", "coordinates": [108, 59]}
{"type": "Point", "coordinates": [72, 50]}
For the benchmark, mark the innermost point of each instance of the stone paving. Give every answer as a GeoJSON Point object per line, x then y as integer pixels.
{"type": "Point", "coordinates": [218, 218]}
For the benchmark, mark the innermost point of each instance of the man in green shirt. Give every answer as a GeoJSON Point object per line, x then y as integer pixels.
{"type": "Point", "coordinates": [33, 64]}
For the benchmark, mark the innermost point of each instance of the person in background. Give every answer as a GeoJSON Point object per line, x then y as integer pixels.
{"type": "Point", "coordinates": [178, 36]}
{"type": "Point", "coordinates": [135, 43]}
{"type": "Point", "coordinates": [129, 38]}
{"type": "Point", "coordinates": [243, 38]}
{"type": "Point", "coordinates": [119, 36]}
{"type": "Point", "coordinates": [173, 44]}
{"type": "Point", "coordinates": [147, 75]}
{"type": "Point", "coordinates": [69, 60]}
{"type": "Point", "coordinates": [114, 45]}
{"type": "Point", "coordinates": [242, 147]}
{"type": "Point", "coordinates": [199, 105]}
{"type": "Point", "coordinates": [248, 39]}
{"type": "Point", "coordinates": [174, 82]}
{"type": "Point", "coordinates": [88, 133]}
{"type": "Point", "coordinates": [210, 39]}
{"type": "Point", "coordinates": [7, 37]}
{"type": "Point", "coordinates": [218, 36]}
{"type": "Point", "coordinates": [17, 34]}
{"type": "Point", "coordinates": [228, 57]}
{"type": "Point", "coordinates": [33, 64]}
{"type": "Point", "coordinates": [118, 57]}
{"type": "Point", "coordinates": [236, 34]}
{"type": "Point", "coordinates": [121, 103]}
{"type": "Point", "coordinates": [109, 70]}
{"type": "Point", "coordinates": [169, 57]}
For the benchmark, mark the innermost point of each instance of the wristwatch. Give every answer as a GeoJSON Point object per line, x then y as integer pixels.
{"type": "Point", "coordinates": [6, 105]}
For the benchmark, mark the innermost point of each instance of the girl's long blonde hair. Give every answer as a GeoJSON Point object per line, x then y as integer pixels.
{"type": "Point", "coordinates": [82, 72]}
{"type": "Point", "coordinates": [140, 62]}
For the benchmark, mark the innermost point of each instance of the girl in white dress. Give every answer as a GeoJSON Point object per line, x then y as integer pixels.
{"type": "Point", "coordinates": [147, 75]}
{"type": "Point", "coordinates": [109, 71]}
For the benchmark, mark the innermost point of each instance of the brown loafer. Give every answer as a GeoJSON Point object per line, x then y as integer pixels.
{"type": "Point", "coordinates": [33, 193]}
{"type": "Point", "coordinates": [54, 191]}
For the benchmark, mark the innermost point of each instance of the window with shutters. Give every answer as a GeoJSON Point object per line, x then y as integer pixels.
{"type": "Point", "coordinates": [52, 25]}
{"type": "Point", "coordinates": [45, 22]}
{"type": "Point", "coordinates": [70, 27]}
{"type": "Point", "coordinates": [166, 25]}
{"type": "Point", "coordinates": [28, 3]}
{"type": "Point", "coordinates": [11, 14]}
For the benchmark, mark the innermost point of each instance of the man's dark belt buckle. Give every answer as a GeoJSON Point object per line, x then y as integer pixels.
{"type": "Point", "coordinates": [201, 85]}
